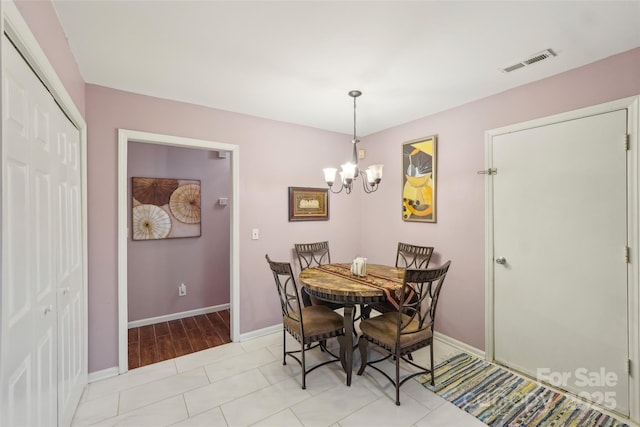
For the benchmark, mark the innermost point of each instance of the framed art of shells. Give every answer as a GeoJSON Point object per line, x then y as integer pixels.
{"type": "Point", "coordinates": [165, 208]}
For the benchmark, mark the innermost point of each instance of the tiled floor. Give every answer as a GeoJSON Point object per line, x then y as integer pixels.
{"type": "Point", "coordinates": [245, 384]}
{"type": "Point", "coordinates": [166, 340]}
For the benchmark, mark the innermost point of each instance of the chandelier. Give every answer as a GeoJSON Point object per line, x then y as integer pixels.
{"type": "Point", "coordinates": [350, 170]}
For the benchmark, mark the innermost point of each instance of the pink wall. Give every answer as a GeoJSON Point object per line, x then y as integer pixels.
{"type": "Point", "coordinates": [157, 267]}
{"type": "Point", "coordinates": [41, 18]}
{"type": "Point", "coordinates": [273, 156]}
{"type": "Point", "coordinates": [459, 232]}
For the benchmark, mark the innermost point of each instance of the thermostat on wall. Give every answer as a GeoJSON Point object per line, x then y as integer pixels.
{"type": "Point", "coordinates": [223, 201]}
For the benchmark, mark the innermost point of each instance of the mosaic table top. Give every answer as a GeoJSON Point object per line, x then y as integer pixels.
{"type": "Point", "coordinates": [337, 280]}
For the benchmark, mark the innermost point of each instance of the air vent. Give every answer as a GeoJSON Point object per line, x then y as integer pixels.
{"type": "Point", "coordinates": [513, 67]}
{"type": "Point", "coordinates": [537, 57]}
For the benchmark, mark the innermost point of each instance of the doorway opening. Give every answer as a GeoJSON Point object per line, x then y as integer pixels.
{"type": "Point", "coordinates": [124, 137]}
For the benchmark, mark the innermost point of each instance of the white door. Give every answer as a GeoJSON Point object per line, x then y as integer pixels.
{"type": "Point", "coordinates": [560, 273]}
{"type": "Point", "coordinates": [69, 271]}
{"type": "Point", "coordinates": [41, 259]}
{"type": "Point", "coordinates": [29, 288]}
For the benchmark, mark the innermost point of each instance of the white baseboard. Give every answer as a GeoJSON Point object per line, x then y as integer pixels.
{"type": "Point", "coordinates": [437, 336]}
{"type": "Point", "coordinates": [261, 332]}
{"type": "Point", "coordinates": [175, 316]}
{"type": "Point", "coordinates": [103, 374]}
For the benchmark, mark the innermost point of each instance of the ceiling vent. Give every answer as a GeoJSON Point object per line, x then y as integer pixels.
{"type": "Point", "coordinates": [535, 58]}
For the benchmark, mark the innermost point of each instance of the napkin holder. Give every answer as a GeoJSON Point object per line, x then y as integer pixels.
{"type": "Point", "coordinates": [359, 267]}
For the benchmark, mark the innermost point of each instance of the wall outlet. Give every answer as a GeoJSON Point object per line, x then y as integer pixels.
{"type": "Point", "coordinates": [182, 290]}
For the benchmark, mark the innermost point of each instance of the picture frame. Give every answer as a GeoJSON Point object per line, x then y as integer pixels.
{"type": "Point", "coordinates": [308, 204]}
{"type": "Point", "coordinates": [165, 208]}
{"type": "Point", "coordinates": [419, 178]}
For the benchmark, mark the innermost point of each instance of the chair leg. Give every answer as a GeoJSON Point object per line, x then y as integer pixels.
{"type": "Point", "coordinates": [433, 382]}
{"type": "Point", "coordinates": [304, 369]}
{"type": "Point", "coordinates": [398, 378]}
{"type": "Point", "coordinates": [362, 345]}
{"type": "Point", "coordinates": [284, 347]}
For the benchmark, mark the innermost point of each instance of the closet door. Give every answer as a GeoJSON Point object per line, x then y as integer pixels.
{"type": "Point", "coordinates": [69, 270]}
{"type": "Point", "coordinates": [29, 324]}
{"type": "Point", "coordinates": [42, 347]}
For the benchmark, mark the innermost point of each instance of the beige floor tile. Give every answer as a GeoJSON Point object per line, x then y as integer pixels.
{"type": "Point", "coordinates": [163, 413]}
{"type": "Point", "coordinates": [238, 364]}
{"type": "Point", "coordinates": [332, 405]}
{"type": "Point", "coordinates": [133, 378]}
{"type": "Point", "coordinates": [225, 390]}
{"type": "Point", "coordinates": [98, 409]}
{"type": "Point", "coordinates": [210, 418]}
{"type": "Point", "coordinates": [284, 418]}
{"type": "Point", "coordinates": [262, 342]}
{"type": "Point", "coordinates": [208, 356]}
{"type": "Point", "coordinates": [276, 371]}
{"type": "Point", "coordinates": [384, 413]}
{"type": "Point", "coordinates": [447, 415]}
{"type": "Point", "coordinates": [156, 391]}
{"type": "Point", "coordinates": [263, 403]}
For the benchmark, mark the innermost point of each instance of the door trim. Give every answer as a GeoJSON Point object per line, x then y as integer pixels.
{"type": "Point", "coordinates": [633, 211]}
{"type": "Point", "coordinates": [124, 136]}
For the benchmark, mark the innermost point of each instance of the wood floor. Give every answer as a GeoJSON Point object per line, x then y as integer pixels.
{"type": "Point", "coordinates": [154, 343]}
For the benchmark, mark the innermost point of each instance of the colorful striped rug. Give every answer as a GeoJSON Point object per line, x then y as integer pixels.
{"type": "Point", "coordinates": [499, 398]}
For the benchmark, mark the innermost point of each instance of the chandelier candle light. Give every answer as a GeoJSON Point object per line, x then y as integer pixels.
{"type": "Point", "coordinates": [350, 170]}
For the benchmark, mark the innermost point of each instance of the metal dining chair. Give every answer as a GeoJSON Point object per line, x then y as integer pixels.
{"type": "Point", "coordinates": [311, 326]}
{"type": "Point", "coordinates": [314, 254]}
{"type": "Point", "coordinates": [409, 328]}
{"type": "Point", "coordinates": [413, 256]}
{"type": "Point", "coordinates": [407, 256]}
{"type": "Point", "coordinates": [311, 255]}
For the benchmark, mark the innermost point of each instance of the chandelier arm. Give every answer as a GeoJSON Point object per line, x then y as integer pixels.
{"type": "Point", "coordinates": [369, 188]}
{"type": "Point", "coordinates": [336, 192]}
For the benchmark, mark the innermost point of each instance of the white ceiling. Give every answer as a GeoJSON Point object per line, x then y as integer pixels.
{"type": "Point", "coordinates": [295, 61]}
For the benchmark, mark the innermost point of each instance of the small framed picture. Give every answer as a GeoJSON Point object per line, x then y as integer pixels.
{"type": "Point", "coordinates": [308, 204]}
{"type": "Point", "coordinates": [419, 180]}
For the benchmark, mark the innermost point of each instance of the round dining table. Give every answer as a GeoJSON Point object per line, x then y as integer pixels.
{"type": "Point", "coordinates": [336, 283]}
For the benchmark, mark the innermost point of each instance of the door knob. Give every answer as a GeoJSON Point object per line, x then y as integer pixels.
{"type": "Point", "coordinates": [501, 260]}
